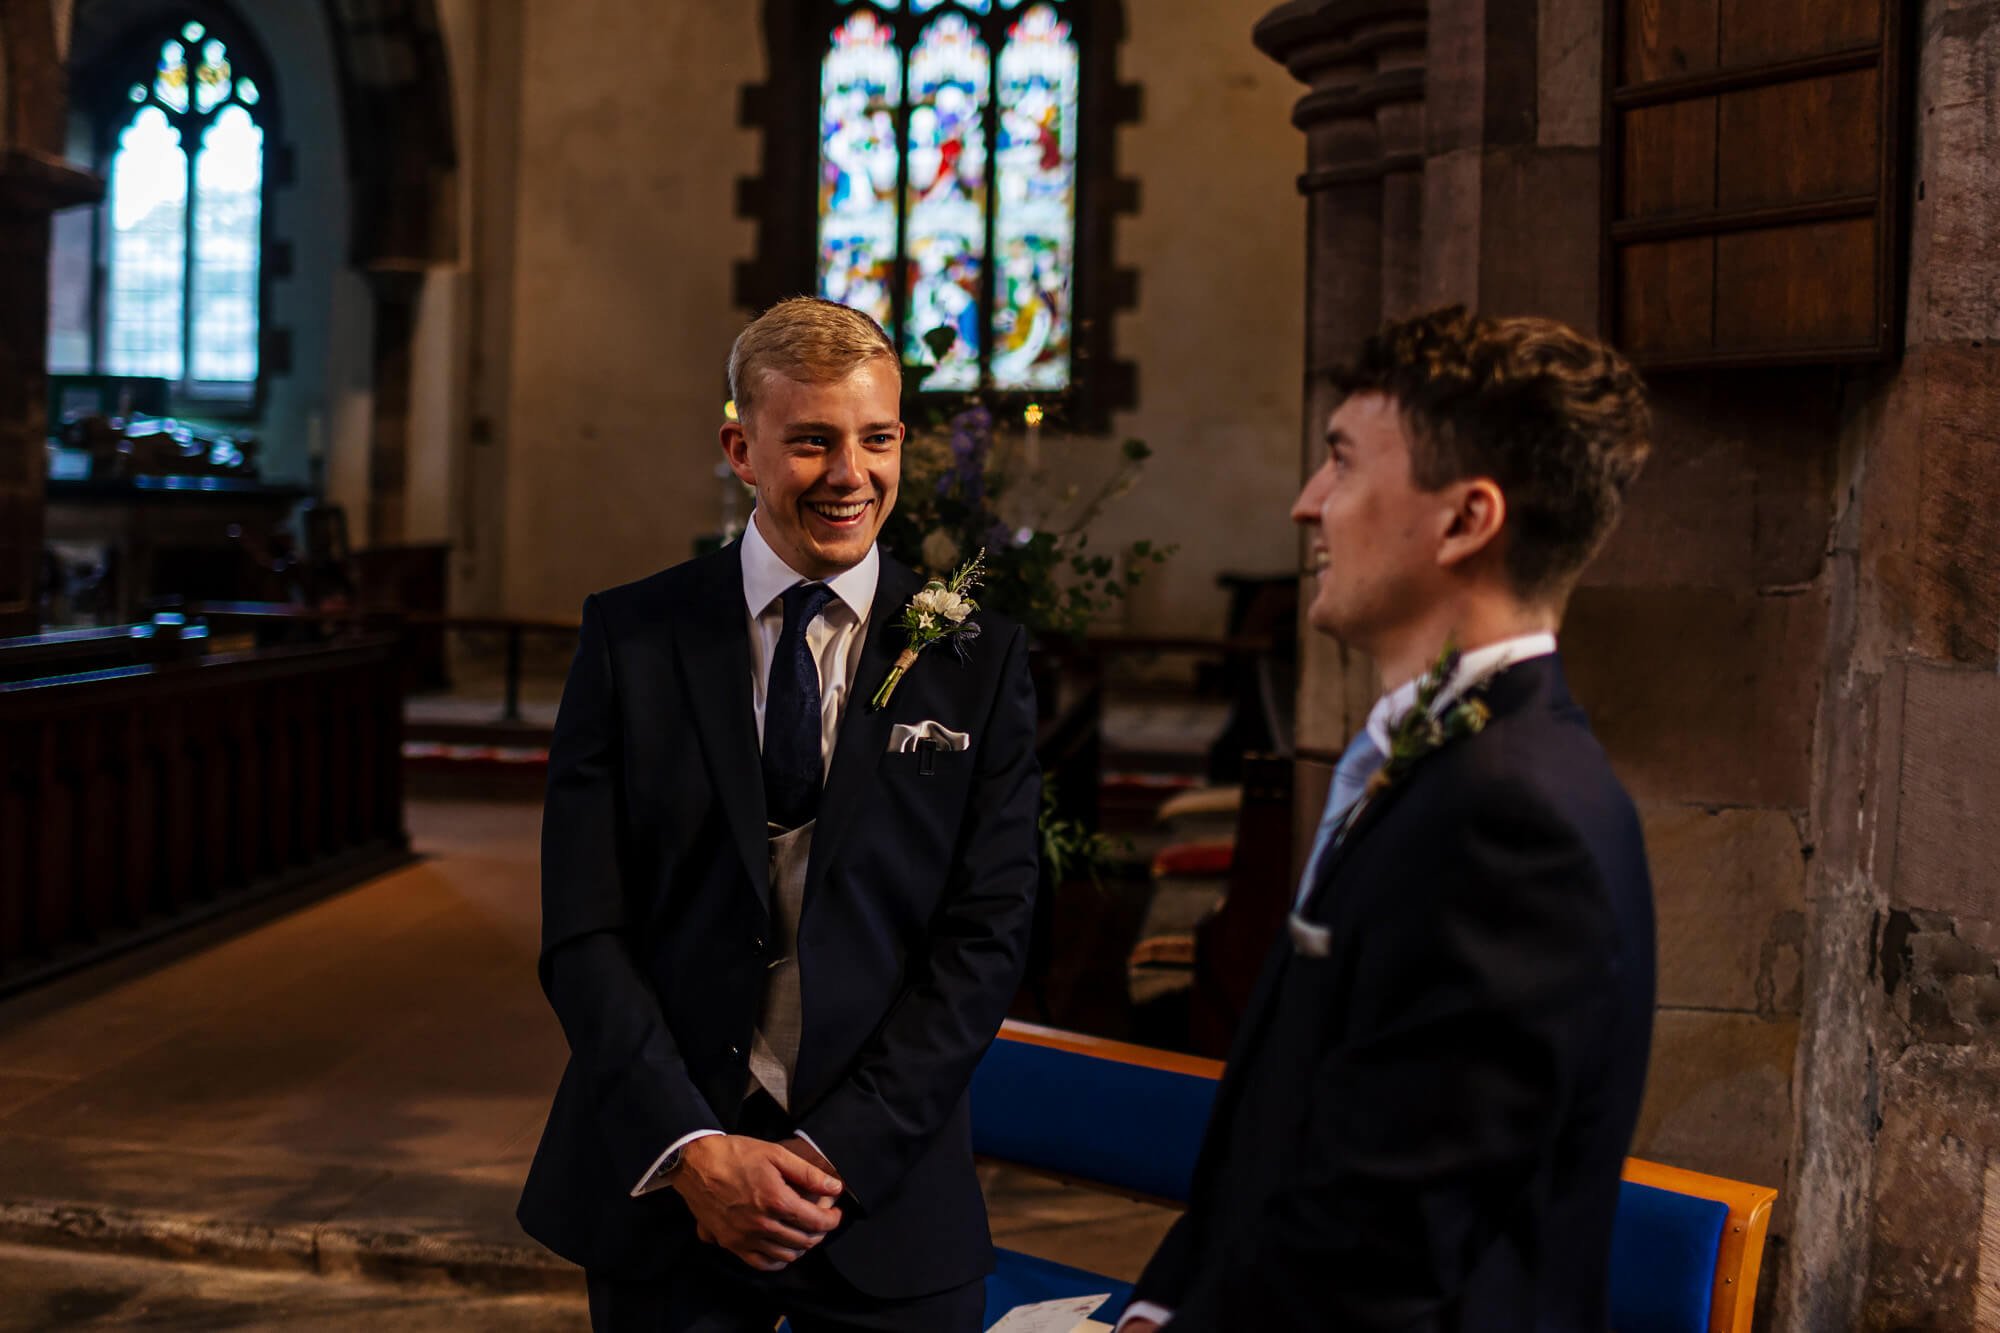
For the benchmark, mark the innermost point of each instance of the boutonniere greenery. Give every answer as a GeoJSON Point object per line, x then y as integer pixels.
{"type": "Point", "coordinates": [1425, 729]}
{"type": "Point", "coordinates": [941, 612]}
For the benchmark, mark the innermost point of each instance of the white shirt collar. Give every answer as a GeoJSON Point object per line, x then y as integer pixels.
{"type": "Point", "coordinates": [1473, 667]}
{"type": "Point", "coordinates": [766, 576]}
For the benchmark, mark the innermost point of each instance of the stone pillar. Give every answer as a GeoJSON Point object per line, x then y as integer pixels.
{"type": "Point", "coordinates": [1362, 62]}
{"type": "Point", "coordinates": [1451, 150]}
{"type": "Point", "coordinates": [396, 289]}
{"type": "Point", "coordinates": [24, 249]}
{"type": "Point", "coordinates": [34, 182]}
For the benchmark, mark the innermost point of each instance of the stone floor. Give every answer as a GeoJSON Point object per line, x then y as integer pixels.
{"type": "Point", "coordinates": [53, 1289]}
{"type": "Point", "coordinates": [351, 1086]}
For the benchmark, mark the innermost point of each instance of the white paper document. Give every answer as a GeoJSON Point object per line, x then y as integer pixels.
{"type": "Point", "coordinates": [1071, 1314]}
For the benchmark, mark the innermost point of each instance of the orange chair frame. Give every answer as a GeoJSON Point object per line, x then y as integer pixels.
{"type": "Point", "coordinates": [1741, 1255]}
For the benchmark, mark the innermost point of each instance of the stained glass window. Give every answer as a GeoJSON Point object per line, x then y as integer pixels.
{"type": "Point", "coordinates": [179, 237]}
{"type": "Point", "coordinates": [949, 143]}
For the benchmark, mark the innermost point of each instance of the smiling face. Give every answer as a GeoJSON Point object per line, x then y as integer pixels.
{"type": "Point", "coordinates": [825, 460]}
{"type": "Point", "coordinates": [1377, 538]}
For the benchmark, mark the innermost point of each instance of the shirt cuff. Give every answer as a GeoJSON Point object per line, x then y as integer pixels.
{"type": "Point", "coordinates": [656, 1175]}
{"type": "Point", "coordinates": [1159, 1314]}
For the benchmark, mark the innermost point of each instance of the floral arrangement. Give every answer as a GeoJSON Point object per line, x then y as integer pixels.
{"type": "Point", "coordinates": [965, 487]}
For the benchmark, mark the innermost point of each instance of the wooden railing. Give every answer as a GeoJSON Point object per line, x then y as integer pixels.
{"type": "Point", "coordinates": [137, 798]}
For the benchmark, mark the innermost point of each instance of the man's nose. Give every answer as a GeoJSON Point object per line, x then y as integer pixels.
{"type": "Point", "coordinates": [843, 469]}
{"type": "Point", "coordinates": [1305, 509]}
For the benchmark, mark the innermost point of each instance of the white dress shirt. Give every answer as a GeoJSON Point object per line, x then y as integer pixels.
{"type": "Point", "coordinates": [835, 639]}
{"type": "Point", "coordinates": [1473, 667]}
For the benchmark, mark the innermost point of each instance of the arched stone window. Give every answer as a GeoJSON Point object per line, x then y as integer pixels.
{"type": "Point", "coordinates": [165, 279]}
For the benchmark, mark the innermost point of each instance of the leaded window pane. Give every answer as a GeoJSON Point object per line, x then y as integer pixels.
{"type": "Point", "coordinates": [145, 289]}
{"type": "Point", "coordinates": [1032, 318]}
{"type": "Point", "coordinates": [946, 233]}
{"type": "Point", "coordinates": [861, 89]}
{"type": "Point", "coordinates": [228, 216]}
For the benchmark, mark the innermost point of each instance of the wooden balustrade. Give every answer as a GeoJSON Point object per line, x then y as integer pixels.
{"type": "Point", "coordinates": [140, 798]}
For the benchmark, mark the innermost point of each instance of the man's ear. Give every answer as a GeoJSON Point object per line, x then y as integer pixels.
{"type": "Point", "coordinates": [1477, 515]}
{"type": "Point", "coordinates": [736, 448]}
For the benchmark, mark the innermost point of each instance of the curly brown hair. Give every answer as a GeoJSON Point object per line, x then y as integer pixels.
{"type": "Point", "coordinates": [1557, 420]}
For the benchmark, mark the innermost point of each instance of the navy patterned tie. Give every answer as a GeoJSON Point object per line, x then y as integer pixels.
{"type": "Point", "coordinates": [793, 769]}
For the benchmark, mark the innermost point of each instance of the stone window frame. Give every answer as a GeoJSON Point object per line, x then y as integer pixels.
{"type": "Point", "coordinates": [782, 200]}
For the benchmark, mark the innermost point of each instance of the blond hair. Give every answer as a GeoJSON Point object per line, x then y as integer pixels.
{"type": "Point", "coordinates": [805, 339]}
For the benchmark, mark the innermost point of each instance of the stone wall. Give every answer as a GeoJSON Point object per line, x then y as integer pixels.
{"type": "Point", "coordinates": [1900, 1128]}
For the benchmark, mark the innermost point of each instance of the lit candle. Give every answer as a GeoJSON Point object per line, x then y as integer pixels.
{"type": "Point", "coordinates": [1033, 416]}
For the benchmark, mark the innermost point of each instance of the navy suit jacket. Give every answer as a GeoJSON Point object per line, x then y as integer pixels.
{"type": "Point", "coordinates": [1423, 1129]}
{"type": "Point", "coordinates": [656, 930]}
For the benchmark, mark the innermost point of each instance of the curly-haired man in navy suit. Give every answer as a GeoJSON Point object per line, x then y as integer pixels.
{"type": "Point", "coordinates": [1430, 1097]}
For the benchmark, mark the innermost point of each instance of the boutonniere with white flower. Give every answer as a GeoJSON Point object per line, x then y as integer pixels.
{"type": "Point", "coordinates": [1423, 730]}
{"type": "Point", "coordinates": [941, 612]}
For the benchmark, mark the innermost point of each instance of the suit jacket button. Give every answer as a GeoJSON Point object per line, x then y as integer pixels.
{"type": "Point", "coordinates": [757, 945]}
{"type": "Point", "coordinates": [735, 1052]}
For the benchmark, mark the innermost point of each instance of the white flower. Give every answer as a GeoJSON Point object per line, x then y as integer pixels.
{"type": "Point", "coordinates": [930, 599]}
{"type": "Point", "coordinates": [955, 608]}
{"type": "Point", "coordinates": [939, 550]}
{"type": "Point", "coordinates": [926, 620]}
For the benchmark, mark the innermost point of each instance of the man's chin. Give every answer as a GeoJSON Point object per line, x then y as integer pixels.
{"type": "Point", "coordinates": [1325, 619]}
{"type": "Point", "coordinates": [843, 555]}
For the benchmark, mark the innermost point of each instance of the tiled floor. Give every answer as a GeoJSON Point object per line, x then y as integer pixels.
{"type": "Point", "coordinates": [378, 1059]}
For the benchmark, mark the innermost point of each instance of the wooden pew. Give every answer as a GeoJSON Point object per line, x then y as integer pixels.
{"type": "Point", "coordinates": [135, 799]}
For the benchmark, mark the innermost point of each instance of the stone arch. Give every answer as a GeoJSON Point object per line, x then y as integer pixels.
{"type": "Point", "coordinates": [395, 107]}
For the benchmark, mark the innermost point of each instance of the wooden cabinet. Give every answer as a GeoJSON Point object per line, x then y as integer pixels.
{"type": "Point", "coordinates": [1753, 198]}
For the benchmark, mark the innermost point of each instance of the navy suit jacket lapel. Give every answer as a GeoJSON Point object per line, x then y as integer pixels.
{"type": "Point", "coordinates": [1534, 684]}
{"type": "Point", "coordinates": [715, 661]}
{"type": "Point", "coordinates": [864, 732]}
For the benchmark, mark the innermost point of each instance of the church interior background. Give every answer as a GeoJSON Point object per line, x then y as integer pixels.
{"type": "Point", "coordinates": [346, 345]}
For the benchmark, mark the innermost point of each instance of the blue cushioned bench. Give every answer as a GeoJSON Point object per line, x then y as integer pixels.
{"type": "Point", "coordinates": [1059, 1103]}
{"type": "Point", "coordinates": [1685, 1249]}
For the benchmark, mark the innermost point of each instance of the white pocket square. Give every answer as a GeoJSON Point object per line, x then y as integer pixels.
{"type": "Point", "coordinates": [904, 736]}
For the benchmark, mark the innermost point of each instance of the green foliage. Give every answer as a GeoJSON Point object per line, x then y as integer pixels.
{"type": "Point", "coordinates": [966, 487]}
{"type": "Point", "coordinates": [1069, 848]}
